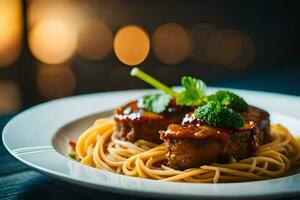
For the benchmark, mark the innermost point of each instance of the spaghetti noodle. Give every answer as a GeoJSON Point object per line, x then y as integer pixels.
{"type": "Point", "coordinates": [98, 147]}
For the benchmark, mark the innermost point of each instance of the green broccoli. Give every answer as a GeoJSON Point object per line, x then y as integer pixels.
{"type": "Point", "coordinates": [215, 115]}
{"type": "Point", "coordinates": [229, 100]}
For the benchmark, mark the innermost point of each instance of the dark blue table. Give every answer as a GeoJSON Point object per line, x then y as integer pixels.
{"type": "Point", "coordinates": [19, 182]}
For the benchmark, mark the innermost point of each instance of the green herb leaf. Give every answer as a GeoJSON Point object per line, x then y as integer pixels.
{"type": "Point", "coordinates": [229, 100]}
{"type": "Point", "coordinates": [214, 114]}
{"type": "Point", "coordinates": [154, 102]}
{"type": "Point", "coordinates": [193, 93]}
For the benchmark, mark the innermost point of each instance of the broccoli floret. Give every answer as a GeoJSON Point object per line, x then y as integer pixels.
{"type": "Point", "coordinates": [229, 100]}
{"type": "Point", "coordinates": [215, 115]}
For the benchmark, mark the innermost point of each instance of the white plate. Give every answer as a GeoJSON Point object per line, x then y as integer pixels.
{"type": "Point", "coordinates": [37, 137]}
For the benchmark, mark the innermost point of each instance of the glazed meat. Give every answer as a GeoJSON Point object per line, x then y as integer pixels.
{"type": "Point", "coordinates": [194, 143]}
{"type": "Point", "coordinates": [133, 123]}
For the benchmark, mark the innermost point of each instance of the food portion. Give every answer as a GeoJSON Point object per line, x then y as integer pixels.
{"type": "Point", "coordinates": [194, 143]}
{"type": "Point", "coordinates": [188, 136]}
{"type": "Point", "coordinates": [144, 118]}
{"type": "Point", "coordinates": [134, 123]}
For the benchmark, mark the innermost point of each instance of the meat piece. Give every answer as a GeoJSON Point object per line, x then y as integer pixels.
{"type": "Point", "coordinates": [195, 143]}
{"type": "Point", "coordinates": [187, 153]}
{"type": "Point", "coordinates": [262, 120]}
{"type": "Point", "coordinates": [133, 123]}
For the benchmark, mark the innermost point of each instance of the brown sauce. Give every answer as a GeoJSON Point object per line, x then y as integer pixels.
{"type": "Point", "coordinates": [194, 132]}
{"type": "Point", "coordinates": [193, 128]}
{"type": "Point", "coordinates": [131, 112]}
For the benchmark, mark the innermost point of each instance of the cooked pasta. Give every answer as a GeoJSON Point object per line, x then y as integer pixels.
{"type": "Point", "coordinates": [98, 147]}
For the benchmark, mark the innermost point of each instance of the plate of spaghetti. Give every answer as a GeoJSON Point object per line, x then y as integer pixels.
{"type": "Point", "coordinates": [188, 142]}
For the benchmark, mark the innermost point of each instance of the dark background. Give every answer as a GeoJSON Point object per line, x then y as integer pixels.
{"type": "Point", "coordinates": [272, 26]}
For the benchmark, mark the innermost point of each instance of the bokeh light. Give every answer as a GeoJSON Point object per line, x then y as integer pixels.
{"type": "Point", "coordinates": [191, 42]}
{"type": "Point", "coordinates": [10, 96]}
{"type": "Point", "coordinates": [67, 11]}
{"type": "Point", "coordinates": [230, 48]}
{"type": "Point", "coordinates": [171, 43]}
{"type": "Point", "coordinates": [131, 45]}
{"type": "Point", "coordinates": [10, 31]}
{"type": "Point", "coordinates": [223, 41]}
{"type": "Point", "coordinates": [201, 33]}
{"type": "Point", "coordinates": [55, 81]}
{"type": "Point", "coordinates": [94, 40]}
{"type": "Point", "coordinates": [247, 55]}
{"type": "Point", "coordinates": [52, 41]}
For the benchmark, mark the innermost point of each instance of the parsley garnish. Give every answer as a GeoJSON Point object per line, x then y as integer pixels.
{"type": "Point", "coordinates": [154, 102]}
{"type": "Point", "coordinates": [193, 93]}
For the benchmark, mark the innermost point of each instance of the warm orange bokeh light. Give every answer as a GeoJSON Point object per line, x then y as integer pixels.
{"type": "Point", "coordinates": [65, 10]}
{"type": "Point", "coordinates": [10, 96]}
{"type": "Point", "coordinates": [55, 81]}
{"type": "Point", "coordinates": [247, 55]}
{"type": "Point", "coordinates": [191, 42]}
{"type": "Point", "coordinates": [131, 45]}
{"type": "Point", "coordinates": [230, 48]}
{"type": "Point", "coordinates": [10, 31]}
{"type": "Point", "coordinates": [94, 40]}
{"type": "Point", "coordinates": [52, 42]}
{"type": "Point", "coordinates": [201, 33]}
{"type": "Point", "coordinates": [216, 45]}
{"type": "Point", "coordinates": [171, 43]}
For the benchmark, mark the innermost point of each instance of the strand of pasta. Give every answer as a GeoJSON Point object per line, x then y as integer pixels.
{"type": "Point", "coordinates": [99, 147]}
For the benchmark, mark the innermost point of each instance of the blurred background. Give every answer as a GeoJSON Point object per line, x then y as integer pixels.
{"type": "Point", "coordinates": [58, 48]}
